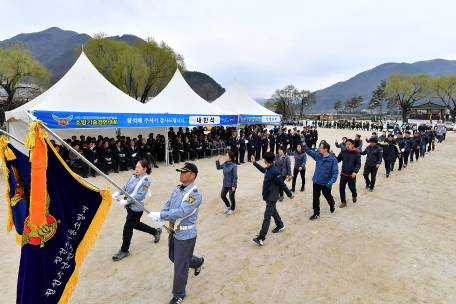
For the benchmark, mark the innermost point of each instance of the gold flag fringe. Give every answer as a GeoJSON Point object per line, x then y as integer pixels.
{"type": "Point", "coordinates": [87, 243]}
{"type": "Point", "coordinates": [3, 157]}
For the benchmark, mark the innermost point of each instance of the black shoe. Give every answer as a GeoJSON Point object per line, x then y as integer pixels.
{"type": "Point", "coordinates": [292, 189]}
{"type": "Point", "coordinates": [367, 186]}
{"type": "Point", "coordinates": [387, 175]}
{"type": "Point", "coordinates": [411, 161]}
{"type": "Point", "coordinates": [93, 175]}
{"type": "Point", "coordinates": [120, 255]}
{"type": "Point", "coordinates": [117, 171]}
{"type": "Point", "coordinates": [399, 169]}
{"type": "Point", "coordinates": [157, 235]}
{"type": "Point", "coordinates": [176, 300]}
{"type": "Point", "coordinates": [332, 208]}
{"type": "Point", "coordinates": [314, 217]}
{"type": "Point", "coordinates": [155, 166]}
{"type": "Point", "coordinates": [302, 189]}
{"type": "Point", "coordinates": [280, 198]}
{"type": "Point", "coordinates": [84, 175]}
{"type": "Point", "coordinates": [278, 229]}
{"type": "Point", "coordinates": [343, 205]}
{"type": "Point", "coordinates": [242, 162]}
{"type": "Point", "coordinates": [198, 269]}
{"type": "Point", "coordinates": [355, 200]}
{"type": "Point", "coordinates": [259, 240]}
{"type": "Point", "coordinates": [371, 189]}
{"type": "Point", "coordinates": [106, 173]}
{"type": "Point", "coordinates": [392, 169]}
{"type": "Point", "coordinates": [125, 169]}
{"type": "Point", "coordinates": [193, 159]}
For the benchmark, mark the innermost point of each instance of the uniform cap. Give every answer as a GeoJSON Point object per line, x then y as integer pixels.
{"type": "Point", "coordinates": [188, 167]}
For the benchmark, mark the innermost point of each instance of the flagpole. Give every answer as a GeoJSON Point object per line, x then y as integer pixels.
{"type": "Point", "coordinates": [21, 142]}
{"type": "Point", "coordinates": [170, 230]}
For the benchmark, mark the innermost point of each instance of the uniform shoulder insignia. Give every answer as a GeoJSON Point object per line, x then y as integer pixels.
{"type": "Point", "coordinates": [195, 190]}
{"type": "Point", "coordinates": [145, 187]}
{"type": "Point", "coordinates": [191, 199]}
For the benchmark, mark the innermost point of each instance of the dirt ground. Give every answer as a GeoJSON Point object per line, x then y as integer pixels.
{"type": "Point", "coordinates": [396, 245]}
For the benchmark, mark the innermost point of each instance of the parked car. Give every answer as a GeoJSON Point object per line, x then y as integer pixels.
{"type": "Point", "coordinates": [450, 126]}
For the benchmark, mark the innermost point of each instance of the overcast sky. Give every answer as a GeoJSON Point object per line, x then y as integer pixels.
{"type": "Point", "coordinates": [264, 44]}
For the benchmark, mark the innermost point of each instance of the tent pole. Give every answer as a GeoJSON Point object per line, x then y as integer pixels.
{"type": "Point", "coordinates": [238, 127]}
{"type": "Point", "coordinates": [166, 148]}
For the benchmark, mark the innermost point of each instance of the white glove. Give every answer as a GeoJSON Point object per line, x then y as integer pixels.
{"type": "Point", "coordinates": [159, 223]}
{"type": "Point", "coordinates": [403, 150]}
{"type": "Point", "coordinates": [155, 216]}
{"type": "Point", "coordinates": [115, 195]}
{"type": "Point", "coordinates": [123, 203]}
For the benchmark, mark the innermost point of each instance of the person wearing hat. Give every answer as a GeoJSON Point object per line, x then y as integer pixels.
{"type": "Point", "coordinates": [250, 146]}
{"type": "Point", "coordinates": [178, 149]}
{"type": "Point", "coordinates": [137, 186]}
{"type": "Point", "coordinates": [181, 210]}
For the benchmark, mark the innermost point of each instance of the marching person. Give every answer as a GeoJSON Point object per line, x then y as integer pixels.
{"type": "Point", "coordinates": [326, 172]}
{"type": "Point", "coordinates": [391, 151]}
{"type": "Point", "coordinates": [351, 163]}
{"type": "Point", "coordinates": [181, 210]}
{"type": "Point", "coordinates": [373, 160]}
{"type": "Point", "coordinates": [137, 187]}
{"type": "Point", "coordinates": [283, 163]}
{"type": "Point", "coordinates": [402, 144]}
{"type": "Point", "coordinates": [342, 145]}
{"type": "Point", "coordinates": [299, 166]}
{"type": "Point", "coordinates": [271, 184]}
{"type": "Point", "coordinates": [229, 181]}
{"type": "Point", "coordinates": [407, 148]}
{"type": "Point", "coordinates": [416, 141]}
{"type": "Point", "coordinates": [358, 143]}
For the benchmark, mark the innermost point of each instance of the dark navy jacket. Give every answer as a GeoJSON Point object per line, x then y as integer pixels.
{"type": "Point", "coordinates": [390, 150]}
{"type": "Point", "coordinates": [230, 176]}
{"type": "Point", "coordinates": [351, 161]}
{"type": "Point", "coordinates": [242, 144]}
{"type": "Point", "coordinates": [416, 141]}
{"type": "Point", "coordinates": [403, 144]}
{"type": "Point", "coordinates": [374, 155]}
{"type": "Point", "coordinates": [272, 182]}
{"type": "Point", "coordinates": [233, 143]}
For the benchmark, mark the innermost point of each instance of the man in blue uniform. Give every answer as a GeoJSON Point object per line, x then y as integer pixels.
{"type": "Point", "coordinates": [241, 149]}
{"type": "Point", "coordinates": [92, 155]}
{"type": "Point", "coordinates": [120, 156]}
{"type": "Point", "coordinates": [234, 143]}
{"type": "Point", "coordinates": [181, 211]}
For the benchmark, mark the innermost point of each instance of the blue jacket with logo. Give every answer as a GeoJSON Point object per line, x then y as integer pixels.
{"type": "Point", "coordinates": [326, 168]}
{"type": "Point", "coordinates": [140, 194]}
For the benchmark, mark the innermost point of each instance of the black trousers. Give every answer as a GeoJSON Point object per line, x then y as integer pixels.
{"type": "Point", "coordinates": [295, 175]}
{"type": "Point", "coordinates": [250, 152]}
{"type": "Point", "coordinates": [241, 155]}
{"type": "Point", "coordinates": [149, 158]}
{"type": "Point", "coordinates": [83, 165]}
{"type": "Point", "coordinates": [416, 152]}
{"type": "Point", "coordinates": [405, 156]}
{"type": "Point", "coordinates": [225, 190]}
{"type": "Point", "coordinates": [270, 211]}
{"type": "Point", "coordinates": [134, 222]}
{"type": "Point", "coordinates": [134, 160]}
{"type": "Point", "coordinates": [176, 155]}
{"type": "Point", "coordinates": [373, 174]}
{"type": "Point", "coordinates": [317, 190]}
{"type": "Point", "coordinates": [344, 180]}
{"type": "Point", "coordinates": [105, 165]}
{"type": "Point", "coordinates": [257, 152]}
{"type": "Point", "coordinates": [97, 164]}
{"type": "Point", "coordinates": [280, 189]}
{"type": "Point", "coordinates": [192, 153]}
{"type": "Point", "coordinates": [119, 161]}
{"type": "Point", "coordinates": [181, 254]}
{"type": "Point", "coordinates": [236, 154]}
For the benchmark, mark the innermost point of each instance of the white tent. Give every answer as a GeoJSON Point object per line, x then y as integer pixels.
{"type": "Point", "coordinates": [236, 101]}
{"type": "Point", "coordinates": [179, 98]}
{"type": "Point", "coordinates": [81, 89]}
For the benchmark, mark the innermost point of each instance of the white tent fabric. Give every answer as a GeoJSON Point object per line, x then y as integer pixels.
{"type": "Point", "coordinates": [82, 89]}
{"type": "Point", "coordinates": [179, 98]}
{"type": "Point", "coordinates": [236, 101]}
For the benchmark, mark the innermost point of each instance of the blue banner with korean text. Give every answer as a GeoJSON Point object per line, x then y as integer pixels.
{"type": "Point", "coordinates": [89, 120]}
{"type": "Point", "coordinates": [245, 119]}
